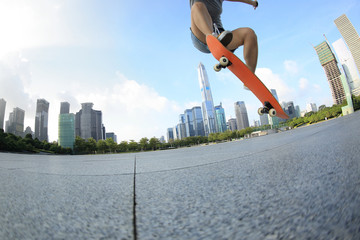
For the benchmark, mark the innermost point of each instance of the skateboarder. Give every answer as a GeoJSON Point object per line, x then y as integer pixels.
{"type": "Point", "coordinates": [206, 19]}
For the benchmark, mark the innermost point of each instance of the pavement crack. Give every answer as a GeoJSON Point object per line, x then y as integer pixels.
{"type": "Point", "coordinates": [134, 202]}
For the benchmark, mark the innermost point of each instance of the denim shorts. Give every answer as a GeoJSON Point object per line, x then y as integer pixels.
{"type": "Point", "coordinates": [202, 47]}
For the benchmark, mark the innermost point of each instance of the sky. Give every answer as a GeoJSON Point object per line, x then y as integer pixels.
{"type": "Point", "coordinates": [134, 60]}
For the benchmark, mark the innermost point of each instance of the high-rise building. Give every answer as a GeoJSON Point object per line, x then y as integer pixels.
{"type": "Point", "coordinates": [348, 65]}
{"type": "Point", "coordinates": [220, 118]}
{"type": "Point", "coordinates": [66, 128]}
{"type": "Point", "coordinates": [2, 112]}
{"type": "Point", "coordinates": [311, 107]}
{"type": "Point", "coordinates": [198, 121]}
{"type": "Point", "coordinates": [273, 121]}
{"type": "Point", "coordinates": [289, 109]}
{"type": "Point", "coordinates": [207, 101]}
{"type": "Point", "coordinates": [242, 120]}
{"type": "Point", "coordinates": [64, 107]}
{"type": "Point", "coordinates": [170, 134]}
{"type": "Point", "coordinates": [232, 124]}
{"type": "Point", "coordinates": [111, 135]}
{"type": "Point", "coordinates": [189, 123]}
{"type": "Point", "coordinates": [264, 120]}
{"type": "Point", "coordinates": [88, 122]}
{"type": "Point", "coordinates": [329, 63]}
{"type": "Point", "coordinates": [15, 124]}
{"type": "Point", "coordinates": [351, 37]}
{"type": "Point", "coordinates": [41, 120]}
{"type": "Point", "coordinates": [181, 127]}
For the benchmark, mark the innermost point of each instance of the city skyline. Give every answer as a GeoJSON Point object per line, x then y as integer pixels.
{"type": "Point", "coordinates": [60, 56]}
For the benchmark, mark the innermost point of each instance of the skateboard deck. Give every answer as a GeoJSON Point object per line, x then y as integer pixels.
{"type": "Point", "coordinates": [250, 80]}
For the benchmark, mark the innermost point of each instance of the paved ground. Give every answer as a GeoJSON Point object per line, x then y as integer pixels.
{"type": "Point", "coordinates": [300, 184]}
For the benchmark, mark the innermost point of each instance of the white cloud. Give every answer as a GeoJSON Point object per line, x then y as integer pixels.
{"type": "Point", "coordinates": [274, 81]}
{"type": "Point", "coordinates": [291, 67]}
{"type": "Point", "coordinates": [303, 83]}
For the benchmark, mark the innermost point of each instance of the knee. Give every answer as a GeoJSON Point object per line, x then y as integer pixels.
{"type": "Point", "coordinates": [250, 33]}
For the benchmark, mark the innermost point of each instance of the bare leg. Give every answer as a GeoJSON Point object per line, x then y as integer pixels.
{"type": "Point", "coordinates": [246, 37]}
{"type": "Point", "coordinates": [201, 22]}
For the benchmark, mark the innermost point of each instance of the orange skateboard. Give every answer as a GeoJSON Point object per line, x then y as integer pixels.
{"type": "Point", "coordinates": [228, 60]}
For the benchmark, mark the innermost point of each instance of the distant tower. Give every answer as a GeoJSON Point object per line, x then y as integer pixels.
{"type": "Point", "coordinates": [2, 112]}
{"type": "Point", "coordinates": [350, 36]}
{"type": "Point", "coordinates": [348, 66]}
{"type": "Point", "coordinates": [242, 120]}
{"type": "Point", "coordinates": [15, 125]}
{"type": "Point", "coordinates": [198, 121]}
{"type": "Point", "coordinates": [289, 109]}
{"type": "Point", "coordinates": [88, 122]}
{"type": "Point", "coordinates": [232, 124]}
{"type": "Point", "coordinates": [207, 101]}
{"type": "Point", "coordinates": [220, 118]}
{"type": "Point", "coordinates": [41, 120]}
{"type": "Point", "coordinates": [170, 134]}
{"type": "Point", "coordinates": [273, 121]}
{"type": "Point", "coordinates": [189, 123]}
{"type": "Point", "coordinates": [329, 63]}
{"type": "Point", "coordinates": [66, 126]}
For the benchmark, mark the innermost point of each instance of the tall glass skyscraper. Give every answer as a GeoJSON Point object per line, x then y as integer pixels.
{"type": "Point", "coordinates": [41, 120]}
{"type": "Point", "coordinates": [189, 123]}
{"type": "Point", "coordinates": [66, 126]}
{"type": "Point", "coordinates": [2, 112]}
{"type": "Point", "coordinates": [220, 118]}
{"type": "Point", "coordinates": [198, 122]}
{"type": "Point", "coordinates": [329, 63]}
{"type": "Point", "coordinates": [348, 66]}
{"type": "Point", "coordinates": [207, 101]}
{"type": "Point", "coordinates": [351, 37]}
{"type": "Point", "coordinates": [273, 121]}
{"type": "Point", "coordinates": [242, 120]}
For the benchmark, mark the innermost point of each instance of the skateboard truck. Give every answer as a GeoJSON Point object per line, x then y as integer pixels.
{"type": "Point", "coordinates": [268, 108]}
{"type": "Point", "coordinates": [223, 63]}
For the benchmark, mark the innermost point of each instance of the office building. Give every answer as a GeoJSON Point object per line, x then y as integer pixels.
{"type": "Point", "coordinates": [232, 124]}
{"type": "Point", "coordinates": [351, 37]}
{"type": "Point", "coordinates": [2, 112]}
{"type": "Point", "coordinates": [198, 121]}
{"type": "Point", "coordinates": [189, 122]}
{"type": "Point", "coordinates": [66, 129]}
{"type": "Point", "coordinates": [329, 63]}
{"type": "Point", "coordinates": [273, 121]}
{"type": "Point", "coordinates": [264, 119]}
{"type": "Point", "coordinates": [15, 124]}
{"type": "Point", "coordinates": [242, 120]}
{"type": "Point", "coordinates": [41, 120]}
{"type": "Point", "coordinates": [220, 118]}
{"type": "Point", "coordinates": [170, 134]}
{"type": "Point", "coordinates": [112, 136]}
{"type": "Point", "coordinates": [348, 66]}
{"type": "Point", "coordinates": [88, 122]}
{"type": "Point", "coordinates": [311, 107]}
{"type": "Point", "coordinates": [207, 101]}
{"type": "Point", "coordinates": [289, 109]}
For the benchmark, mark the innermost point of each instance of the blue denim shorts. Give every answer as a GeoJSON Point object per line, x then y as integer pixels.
{"type": "Point", "coordinates": [202, 47]}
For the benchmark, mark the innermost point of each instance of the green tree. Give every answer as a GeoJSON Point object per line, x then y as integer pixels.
{"type": "Point", "coordinates": [111, 144]}
{"type": "Point", "coordinates": [133, 146]}
{"type": "Point", "coordinates": [154, 143]}
{"type": "Point", "coordinates": [102, 146]}
{"type": "Point", "coordinates": [80, 145]}
{"type": "Point", "coordinates": [123, 146]}
{"type": "Point", "coordinates": [91, 145]}
{"type": "Point", "coordinates": [144, 144]}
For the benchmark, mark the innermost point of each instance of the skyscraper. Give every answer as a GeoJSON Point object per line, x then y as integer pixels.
{"type": "Point", "coordinates": [289, 109]}
{"type": "Point", "coordinates": [351, 37]}
{"type": "Point", "coordinates": [181, 127]}
{"type": "Point", "coordinates": [170, 134]}
{"type": "Point", "coordinates": [198, 121]}
{"type": "Point", "coordinates": [189, 123]}
{"type": "Point", "coordinates": [242, 120]}
{"type": "Point", "coordinates": [41, 120]}
{"type": "Point", "coordinates": [207, 101]}
{"type": "Point", "coordinates": [88, 122]}
{"type": "Point", "coordinates": [220, 118]}
{"type": "Point", "coordinates": [15, 124]}
{"type": "Point", "coordinates": [273, 121]}
{"type": "Point", "coordinates": [66, 126]}
{"type": "Point", "coordinates": [2, 112]}
{"type": "Point", "coordinates": [329, 63]}
{"type": "Point", "coordinates": [348, 66]}
{"type": "Point", "coordinates": [232, 124]}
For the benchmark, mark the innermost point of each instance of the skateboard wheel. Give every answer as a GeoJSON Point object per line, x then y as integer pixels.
{"type": "Point", "coordinates": [261, 111]}
{"type": "Point", "coordinates": [224, 61]}
{"type": "Point", "coordinates": [217, 68]}
{"type": "Point", "coordinates": [272, 112]}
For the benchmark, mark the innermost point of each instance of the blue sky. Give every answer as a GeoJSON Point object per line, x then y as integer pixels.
{"type": "Point", "coordinates": [135, 61]}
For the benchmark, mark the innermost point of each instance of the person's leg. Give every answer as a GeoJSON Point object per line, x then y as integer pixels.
{"type": "Point", "coordinates": [246, 37]}
{"type": "Point", "coordinates": [201, 22]}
